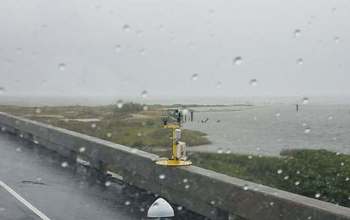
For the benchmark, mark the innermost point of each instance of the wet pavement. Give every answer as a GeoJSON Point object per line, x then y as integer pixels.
{"type": "Point", "coordinates": [36, 183]}
{"type": "Point", "coordinates": [34, 180]}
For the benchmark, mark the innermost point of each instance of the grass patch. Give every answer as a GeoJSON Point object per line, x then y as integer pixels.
{"type": "Point", "coordinates": [305, 172]}
{"type": "Point", "coordinates": [129, 125]}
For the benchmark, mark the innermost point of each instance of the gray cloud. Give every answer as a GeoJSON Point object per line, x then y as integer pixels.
{"type": "Point", "coordinates": [168, 41]}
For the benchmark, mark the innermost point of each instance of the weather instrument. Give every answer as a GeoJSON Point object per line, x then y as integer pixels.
{"type": "Point", "coordinates": [178, 148]}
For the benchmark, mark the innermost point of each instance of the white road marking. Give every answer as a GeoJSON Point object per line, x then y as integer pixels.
{"type": "Point", "coordinates": [23, 201]}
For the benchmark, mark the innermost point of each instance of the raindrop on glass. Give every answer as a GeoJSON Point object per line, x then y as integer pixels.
{"type": "Point", "coordinates": [219, 85]}
{"type": "Point", "coordinates": [126, 27]}
{"type": "Point", "coordinates": [297, 33]}
{"type": "Point", "coordinates": [120, 104]}
{"type": "Point", "coordinates": [317, 195]}
{"type": "Point", "coordinates": [305, 100]}
{"type": "Point", "coordinates": [220, 151]}
{"type": "Point", "coordinates": [38, 110]}
{"type": "Point", "coordinates": [238, 61]}
{"type": "Point", "coordinates": [62, 66]}
{"type": "Point", "coordinates": [307, 130]}
{"type": "Point", "coordinates": [185, 180]}
{"type": "Point", "coordinates": [161, 27]}
{"type": "Point", "coordinates": [117, 48]}
{"type": "Point", "coordinates": [245, 187]}
{"type": "Point", "coordinates": [127, 203]}
{"type": "Point", "coordinates": [297, 183]}
{"type": "Point", "coordinates": [144, 94]}
{"type": "Point", "coordinates": [109, 134]}
{"type": "Point", "coordinates": [330, 117]}
{"type": "Point", "coordinates": [300, 61]}
{"type": "Point", "coordinates": [194, 77]}
{"type": "Point", "coordinates": [336, 39]}
{"type": "Point", "coordinates": [2, 90]}
{"type": "Point", "coordinates": [162, 176]}
{"type": "Point", "coordinates": [253, 82]}
{"type": "Point", "coordinates": [279, 171]}
{"type": "Point", "coordinates": [82, 149]}
{"type": "Point", "coordinates": [108, 183]}
{"type": "Point", "coordinates": [64, 164]}
{"type": "Point", "coordinates": [187, 186]}
{"type": "Point", "coordinates": [142, 51]}
{"type": "Point", "coordinates": [93, 125]}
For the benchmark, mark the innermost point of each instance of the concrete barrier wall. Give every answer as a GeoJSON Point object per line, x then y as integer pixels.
{"type": "Point", "coordinates": [206, 192]}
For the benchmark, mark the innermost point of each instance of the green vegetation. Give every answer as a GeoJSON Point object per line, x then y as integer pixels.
{"type": "Point", "coordinates": [128, 124]}
{"type": "Point", "coordinates": [314, 173]}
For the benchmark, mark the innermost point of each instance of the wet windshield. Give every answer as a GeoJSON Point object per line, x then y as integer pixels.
{"type": "Point", "coordinates": [180, 110]}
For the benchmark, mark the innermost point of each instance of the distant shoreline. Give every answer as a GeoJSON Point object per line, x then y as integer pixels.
{"type": "Point", "coordinates": [26, 100]}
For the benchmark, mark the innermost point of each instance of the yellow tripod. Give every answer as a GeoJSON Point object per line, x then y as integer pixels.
{"type": "Point", "coordinates": [174, 161]}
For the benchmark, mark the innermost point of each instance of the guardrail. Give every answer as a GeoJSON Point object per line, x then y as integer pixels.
{"type": "Point", "coordinates": [211, 194]}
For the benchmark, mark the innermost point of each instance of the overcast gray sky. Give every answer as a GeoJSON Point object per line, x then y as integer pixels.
{"type": "Point", "coordinates": [163, 43]}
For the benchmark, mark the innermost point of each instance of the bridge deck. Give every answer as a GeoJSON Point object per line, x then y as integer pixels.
{"type": "Point", "coordinates": [47, 187]}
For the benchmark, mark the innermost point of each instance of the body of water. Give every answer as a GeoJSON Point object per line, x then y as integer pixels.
{"type": "Point", "coordinates": [268, 129]}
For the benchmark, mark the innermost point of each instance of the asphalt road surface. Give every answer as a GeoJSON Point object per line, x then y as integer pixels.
{"type": "Point", "coordinates": [34, 184]}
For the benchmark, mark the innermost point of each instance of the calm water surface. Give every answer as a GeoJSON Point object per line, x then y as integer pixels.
{"type": "Point", "coordinates": [268, 129]}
